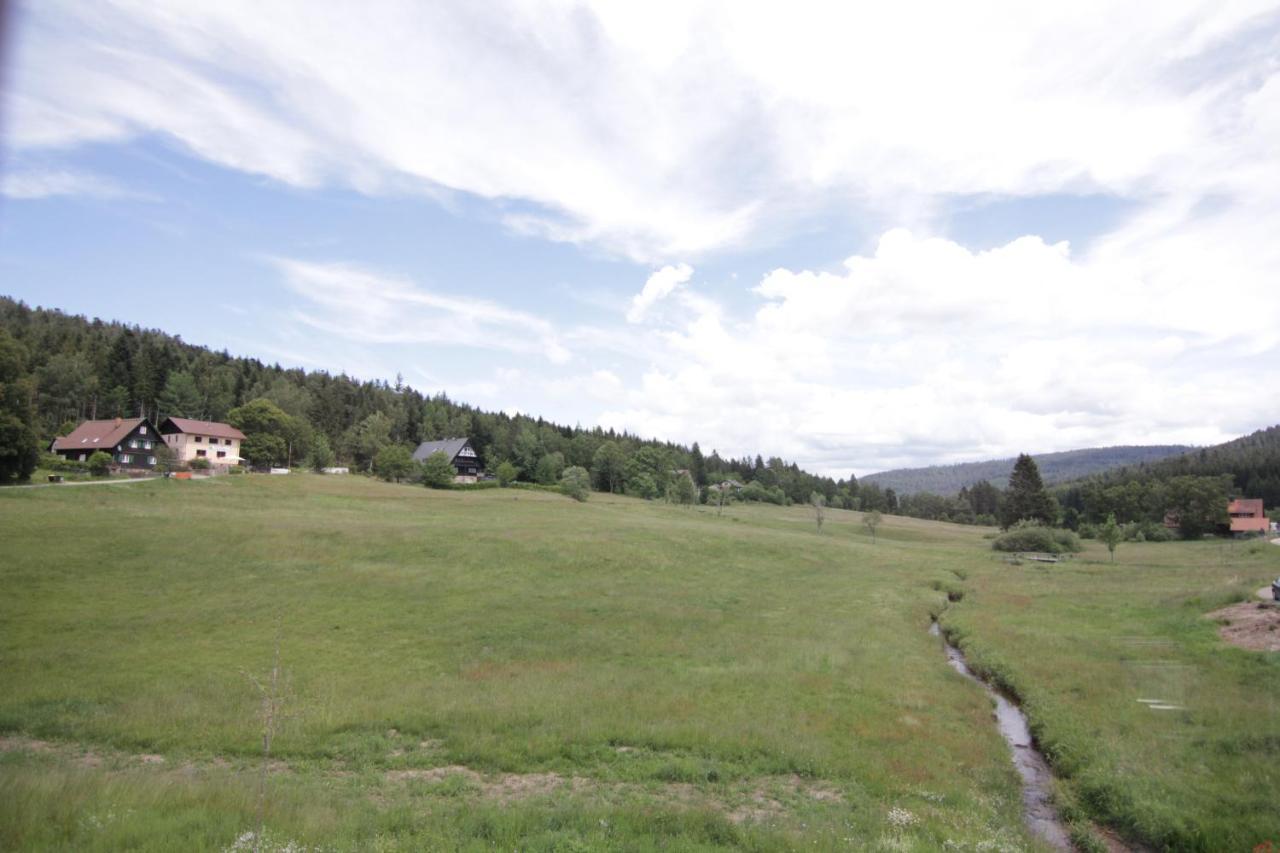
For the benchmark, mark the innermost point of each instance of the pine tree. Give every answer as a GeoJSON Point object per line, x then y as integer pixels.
{"type": "Point", "coordinates": [1026, 498]}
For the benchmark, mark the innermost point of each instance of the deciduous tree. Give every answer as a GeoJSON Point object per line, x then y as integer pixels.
{"type": "Point", "coordinates": [437, 471]}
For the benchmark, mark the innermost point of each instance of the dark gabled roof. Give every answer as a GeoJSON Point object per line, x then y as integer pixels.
{"type": "Point", "coordinates": [210, 428]}
{"type": "Point", "coordinates": [98, 435]}
{"type": "Point", "coordinates": [448, 446]}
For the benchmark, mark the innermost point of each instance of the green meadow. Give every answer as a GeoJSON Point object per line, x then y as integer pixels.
{"type": "Point", "coordinates": [509, 669]}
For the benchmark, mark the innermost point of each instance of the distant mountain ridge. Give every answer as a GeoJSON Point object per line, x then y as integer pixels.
{"type": "Point", "coordinates": [1054, 468]}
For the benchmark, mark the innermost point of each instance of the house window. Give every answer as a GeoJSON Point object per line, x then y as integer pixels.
{"type": "Point", "coordinates": [222, 454]}
{"type": "Point", "coordinates": [146, 445]}
{"type": "Point", "coordinates": [81, 457]}
{"type": "Point", "coordinates": [133, 442]}
{"type": "Point", "coordinates": [227, 442]}
{"type": "Point", "coordinates": [125, 458]}
{"type": "Point", "coordinates": [142, 430]}
{"type": "Point", "coordinates": [199, 439]}
{"type": "Point", "coordinates": [151, 460]}
{"type": "Point", "coordinates": [200, 453]}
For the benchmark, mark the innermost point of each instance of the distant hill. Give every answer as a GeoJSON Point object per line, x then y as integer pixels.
{"type": "Point", "coordinates": [1253, 461]}
{"type": "Point", "coordinates": [1054, 468]}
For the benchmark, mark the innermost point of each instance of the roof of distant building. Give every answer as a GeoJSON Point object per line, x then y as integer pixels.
{"type": "Point", "coordinates": [95, 435]}
{"type": "Point", "coordinates": [448, 446]}
{"type": "Point", "coordinates": [210, 428]}
{"type": "Point", "coordinates": [1253, 506]}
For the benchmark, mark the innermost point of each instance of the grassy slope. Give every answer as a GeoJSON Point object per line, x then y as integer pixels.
{"type": "Point", "coordinates": [686, 670]}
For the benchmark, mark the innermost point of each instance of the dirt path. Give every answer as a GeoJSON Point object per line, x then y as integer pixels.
{"type": "Point", "coordinates": [85, 483]}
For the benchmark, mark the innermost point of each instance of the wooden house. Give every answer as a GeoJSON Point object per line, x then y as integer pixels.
{"type": "Point", "coordinates": [460, 453]}
{"type": "Point", "coordinates": [131, 442]}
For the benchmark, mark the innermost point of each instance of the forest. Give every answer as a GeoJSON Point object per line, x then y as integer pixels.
{"type": "Point", "coordinates": [58, 369]}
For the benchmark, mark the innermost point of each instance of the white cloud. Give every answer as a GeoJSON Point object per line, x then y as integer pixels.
{"type": "Point", "coordinates": [669, 130]}
{"type": "Point", "coordinates": [658, 287]}
{"type": "Point", "coordinates": [666, 132]}
{"type": "Point", "coordinates": [35, 184]}
{"type": "Point", "coordinates": [926, 351]}
{"type": "Point", "coordinates": [364, 306]}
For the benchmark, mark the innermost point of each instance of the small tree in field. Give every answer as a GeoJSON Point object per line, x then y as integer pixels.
{"type": "Point", "coordinates": [872, 521]}
{"type": "Point", "coordinates": [818, 501]}
{"type": "Point", "coordinates": [437, 471]}
{"type": "Point", "coordinates": [575, 482]}
{"type": "Point", "coordinates": [393, 463]}
{"type": "Point", "coordinates": [99, 463]}
{"type": "Point", "coordinates": [507, 474]}
{"type": "Point", "coordinates": [321, 453]}
{"type": "Point", "coordinates": [1110, 535]}
{"type": "Point", "coordinates": [683, 490]}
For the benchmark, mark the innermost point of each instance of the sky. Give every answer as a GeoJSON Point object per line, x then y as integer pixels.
{"type": "Point", "coordinates": [858, 236]}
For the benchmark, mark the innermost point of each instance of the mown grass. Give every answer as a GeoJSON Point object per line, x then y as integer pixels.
{"type": "Point", "coordinates": [690, 681]}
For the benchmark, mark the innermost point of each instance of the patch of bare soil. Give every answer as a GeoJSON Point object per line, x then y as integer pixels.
{"type": "Point", "coordinates": [760, 801]}
{"type": "Point", "coordinates": [1252, 625]}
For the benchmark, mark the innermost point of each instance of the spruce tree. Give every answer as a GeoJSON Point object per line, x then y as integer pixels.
{"type": "Point", "coordinates": [1026, 498]}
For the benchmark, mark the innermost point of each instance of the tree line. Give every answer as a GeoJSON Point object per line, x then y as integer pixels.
{"type": "Point", "coordinates": [57, 370]}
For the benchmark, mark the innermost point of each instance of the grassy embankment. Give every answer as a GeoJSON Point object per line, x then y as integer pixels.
{"type": "Point", "coordinates": [493, 669]}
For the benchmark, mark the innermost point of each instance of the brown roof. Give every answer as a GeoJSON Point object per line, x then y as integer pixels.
{"type": "Point", "coordinates": [92, 435]}
{"type": "Point", "coordinates": [210, 428]}
{"type": "Point", "coordinates": [1253, 506]}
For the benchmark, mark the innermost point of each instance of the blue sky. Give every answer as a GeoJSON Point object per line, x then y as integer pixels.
{"type": "Point", "coordinates": [879, 238]}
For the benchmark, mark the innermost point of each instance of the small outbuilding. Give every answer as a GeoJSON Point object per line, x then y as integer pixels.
{"type": "Point", "coordinates": [461, 455]}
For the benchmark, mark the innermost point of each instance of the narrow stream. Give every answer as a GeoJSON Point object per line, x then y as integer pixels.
{"type": "Point", "coordinates": [1037, 779]}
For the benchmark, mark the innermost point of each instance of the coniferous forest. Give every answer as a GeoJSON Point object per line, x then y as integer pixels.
{"type": "Point", "coordinates": [67, 368]}
{"type": "Point", "coordinates": [58, 369]}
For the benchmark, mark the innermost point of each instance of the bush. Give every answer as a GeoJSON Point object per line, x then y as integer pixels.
{"type": "Point", "coordinates": [437, 471]}
{"type": "Point", "coordinates": [1035, 537]}
{"type": "Point", "coordinates": [235, 469]}
{"type": "Point", "coordinates": [1067, 542]}
{"type": "Point", "coordinates": [507, 474]}
{"type": "Point", "coordinates": [478, 486]}
{"type": "Point", "coordinates": [575, 482]}
{"type": "Point", "coordinates": [199, 464]}
{"type": "Point", "coordinates": [55, 462]}
{"type": "Point", "coordinates": [99, 463]}
{"type": "Point", "coordinates": [394, 463]}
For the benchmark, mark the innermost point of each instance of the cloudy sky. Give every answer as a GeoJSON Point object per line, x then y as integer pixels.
{"type": "Point", "coordinates": [856, 237]}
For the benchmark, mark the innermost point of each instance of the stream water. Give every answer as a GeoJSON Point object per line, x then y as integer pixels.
{"type": "Point", "coordinates": [1037, 780]}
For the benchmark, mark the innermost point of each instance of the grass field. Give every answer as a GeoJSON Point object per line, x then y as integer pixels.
{"type": "Point", "coordinates": [514, 670]}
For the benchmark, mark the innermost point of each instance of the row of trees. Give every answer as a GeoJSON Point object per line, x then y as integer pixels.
{"type": "Point", "coordinates": [57, 369]}
{"type": "Point", "coordinates": [1198, 502]}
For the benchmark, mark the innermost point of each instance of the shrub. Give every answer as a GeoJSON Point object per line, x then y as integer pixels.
{"type": "Point", "coordinates": [1067, 541]}
{"type": "Point", "coordinates": [394, 463]}
{"type": "Point", "coordinates": [507, 474]}
{"type": "Point", "coordinates": [236, 469]}
{"type": "Point", "coordinates": [575, 482]}
{"type": "Point", "coordinates": [199, 464]}
{"type": "Point", "coordinates": [99, 463]}
{"type": "Point", "coordinates": [481, 485]}
{"type": "Point", "coordinates": [54, 462]}
{"type": "Point", "coordinates": [1035, 537]}
{"type": "Point", "coordinates": [437, 471]}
